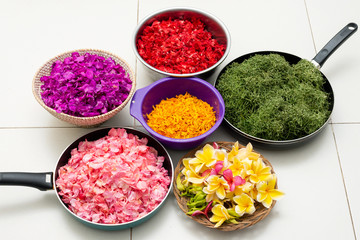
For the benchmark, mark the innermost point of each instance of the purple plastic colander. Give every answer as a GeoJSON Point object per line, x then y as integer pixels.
{"type": "Point", "coordinates": [145, 98]}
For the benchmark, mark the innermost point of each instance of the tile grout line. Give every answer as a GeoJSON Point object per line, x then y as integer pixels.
{"type": "Point", "coordinates": [343, 179]}
{"type": "Point", "coordinates": [136, 74]}
{"type": "Point", "coordinates": [311, 31]}
{"type": "Point", "coordinates": [134, 125]}
{"type": "Point", "coordinates": [136, 61]}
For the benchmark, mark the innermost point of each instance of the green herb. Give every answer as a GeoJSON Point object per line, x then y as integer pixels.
{"type": "Point", "coordinates": [268, 98]}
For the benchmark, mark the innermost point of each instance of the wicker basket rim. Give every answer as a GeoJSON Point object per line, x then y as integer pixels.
{"type": "Point", "coordinates": [115, 110]}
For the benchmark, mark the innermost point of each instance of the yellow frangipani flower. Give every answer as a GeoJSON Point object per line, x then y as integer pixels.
{"type": "Point", "coordinates": [211, 197]}
{"type": "Point", "coordinates": [259, 171]}
{"type": "Point", "coordinates": [242, 159]}
{"type": "Point", "coordinates": [253, 193]}
{"type": "Point", "coordinates": [195, 178]}
{"type": "Point", "coordinates": [245, 188]}
{"type": "Point", "coordinates": [220, 215]}
{"type": "Point", "coordinates": [245, 204]}
{"type": "Point", "coordinates": [205, 157]}
{"type": "Point", "coordinates": [266, 192]}
{"type": "Point", "coordinates": [234, 151]}
{"type": "Point", "coordinates": [239, 167]}
{"type": "Point", "coordinates": [247, 165]}
{"type": "Point", "coordinates": [187, 166]}
{"type": "Point", "coordinates": [190, 175]}
{"type": "Point", "coordinates": [247, 152]}
{"type": "Point", "coordinates": [222, 155]}
{"type": "Point", "coordinates": [216, 184]}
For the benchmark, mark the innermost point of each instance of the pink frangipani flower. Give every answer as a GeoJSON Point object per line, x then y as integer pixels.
{"type": "Point", "coordinates": [233, 181]}
{"type": "Point", "coordinates": [217, 168]}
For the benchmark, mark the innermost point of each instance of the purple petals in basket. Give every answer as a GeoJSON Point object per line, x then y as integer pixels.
{"type": "Point", "coordinates": [85, 85]}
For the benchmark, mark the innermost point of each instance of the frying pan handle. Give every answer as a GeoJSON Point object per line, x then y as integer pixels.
{"type": "Point", "coordinates": [41, 181]}
{"type": "Point", "coordinates": [334, 43]}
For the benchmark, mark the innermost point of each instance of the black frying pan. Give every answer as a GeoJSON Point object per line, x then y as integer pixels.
{"type": "Point", "coordinates": [318, 61]}
{"type": "Point", "coordinates": [46, 181]}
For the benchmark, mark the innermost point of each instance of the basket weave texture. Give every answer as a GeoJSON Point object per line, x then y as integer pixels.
{"type": "Point", "coordinates": [45, 70]}
{"type": "Point", "coordinates": [244, 221]}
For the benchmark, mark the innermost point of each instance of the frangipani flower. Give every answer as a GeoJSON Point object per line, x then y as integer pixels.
{"type": "Point", "coordinates": [206, 157]}
{"type": "Point", "coordinates": [234, 151]}
{"type": "Point", "coordinates": [190, 175]}
{"type": "Point", "coordinates": [259, 171]}
{"type": "Point", "coordinates": [244, 188]}
{"type": "Point", "coordinates": [217, 168]}
{"type": "Point", "coordinates": [194, 178]}
{"type": "Point", "coordinates": [247, 152]}
{"type": "Point", "coordinates": [232, 181]}
{"type": "Point", "coordinates": [221, 155]}
{"type": "Point", "coordinates": [267, 192]}
{"type": "Point", "coordinates": [215, 184]}
{"type": "Point", "coordinates": [220, 215]}
{"type": "Point", "coordinates": [187, 165]}
{"type": "Point", "coordinates": [245, 204]}
{"type": "Point", "coordinates": [240, 167]}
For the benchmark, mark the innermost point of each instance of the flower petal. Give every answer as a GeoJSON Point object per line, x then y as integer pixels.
{"type": "Point", "coordinates": [267, 202]}
{"type": "Point", "coordinates": [228, 175]}
{"type": "Point", "coordinates": [276, 194]}
{"type": "Point", "coordinates": [220, 192]}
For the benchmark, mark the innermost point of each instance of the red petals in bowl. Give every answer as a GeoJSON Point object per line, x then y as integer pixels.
{"type": "Point", "coordinates": [179, 46]}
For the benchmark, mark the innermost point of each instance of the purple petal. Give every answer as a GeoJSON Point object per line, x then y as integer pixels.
{"type": "Point", "coordinates": [80, 59]}
{"type": "Point", "coordinates": [89, 74]}
{"type": "Point", "coordinates": [85, 85]}
{"type": "Point", "coordinates": [68, 75]}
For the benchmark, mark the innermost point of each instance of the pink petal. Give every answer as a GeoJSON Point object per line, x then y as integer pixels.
{"type": "Point", "coordinates": [218, 166]}
{"type": "Point", "coordinates": [208, 208]}
{"type": "Point", "coordinates": [228, 175]}
{"type": "Point", "coordinates": [114, 179]}
{"type": "Point", "coordinates": [238, 180]}
{"type": "Point", "coordinates": [232, 187]}
{"type": "Point", "coordinates": [206, 172]}
{"type": "Point", "coordinates": [197, 212]}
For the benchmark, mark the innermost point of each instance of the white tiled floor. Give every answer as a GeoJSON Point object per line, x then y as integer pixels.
{"type": "Point", "coordinates": [347, 138]}
{"type": "Point", "coordinates": [342, 68]}
{"type": "Point", "coordinates": [319, 178]}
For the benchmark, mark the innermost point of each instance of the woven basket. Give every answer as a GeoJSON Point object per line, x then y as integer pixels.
{"type": "Point", "coordinates": [245, 221]}
{"type": "Point", "coordinates": [45, 70]}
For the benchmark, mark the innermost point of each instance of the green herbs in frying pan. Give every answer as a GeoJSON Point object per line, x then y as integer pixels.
{"type": "Point", "coordinates": [268, 98]}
